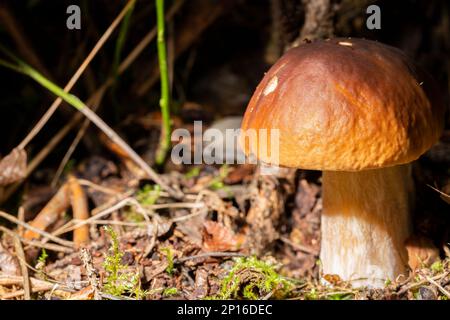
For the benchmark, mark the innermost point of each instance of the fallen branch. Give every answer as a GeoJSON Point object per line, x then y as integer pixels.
{"type": "Point", "coordinates": [23, 267]}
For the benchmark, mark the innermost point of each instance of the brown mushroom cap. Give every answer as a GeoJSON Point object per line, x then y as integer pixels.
{"type": "Point", "coordinates": [345, 105]}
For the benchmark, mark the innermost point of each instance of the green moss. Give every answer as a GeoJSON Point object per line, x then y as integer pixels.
{"type": "Point", "coordinates": [194, 172]}
{"type": "Point", "coordinates": [169, 256]}
{"type": "Point", "coordinates": [340, 296]}
{"type": "Point", "coordinates": [437, 267]}
{"type": "Point", "coordinates": [131, 215]}
{"type": "Point", "coordinates": [312, 295]}
{"type": "Point", "coordinates": [43, 257]}
{"type": "Point", "coordinates": [253, 279]}
{"type": "Point", "coordinates": [41, 263]}
{"type": "Point", "coordinates": [217, 182]}
{"type": "Point", "coordinates": [118, 281]}
{"type": "Point", "coordinates": [170, 292]}
{"type": "Point", "coordinates": [148, 194]}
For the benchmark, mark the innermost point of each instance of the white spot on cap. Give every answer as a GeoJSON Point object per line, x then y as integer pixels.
{"type": "Point", "coordinates": [271, 86]}
{"type": "Point", "coordinates": [345, 43]}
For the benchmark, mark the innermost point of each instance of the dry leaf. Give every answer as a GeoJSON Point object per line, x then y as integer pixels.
{"type": "Point", "coordinates": [13, 167]}
{"type": "Point", "coordinates": [217, 237]}
{"type": "Point", "coordinates": [8, 263]}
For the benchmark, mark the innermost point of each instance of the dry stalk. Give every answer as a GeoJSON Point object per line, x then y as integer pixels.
{"type": "Point", "coordinates": [91, 272]}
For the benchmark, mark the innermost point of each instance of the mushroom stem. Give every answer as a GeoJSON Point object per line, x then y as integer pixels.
{"type": "Point", "coordinates": [365, 222]}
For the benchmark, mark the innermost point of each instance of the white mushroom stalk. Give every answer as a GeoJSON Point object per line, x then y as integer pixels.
{"type": "Point", "coordinates": [365, 222]}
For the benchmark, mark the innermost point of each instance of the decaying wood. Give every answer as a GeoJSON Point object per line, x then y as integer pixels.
{"type": "Point", "coordinates": [268, 196]}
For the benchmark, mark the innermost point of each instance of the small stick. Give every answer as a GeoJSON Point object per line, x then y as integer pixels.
{"type": "Point", "coordinates": [185, 217]}
{"type": "Point", "coordinates": [113, 222]}
{"type": "Point", "coordinates": [152, 243]}
{"type": "Point", "coordinates": [418, 284]}
{"type": "Point", "coordinates": [98, 187]}
{"type": "Point", "coordinates": [42, 233]}
{"type": "Point", "coordinates": [299, 247]}
{"type": "Point", "coordinates": [39, 288]}
{"type": "Point", "coordinates": [9, 280]}
{"type": "Point", "coordinates": [91, 273]}
{"type": "Point", "coordinates": [99, 215]}
{"type": "Point", "coordinates": [122, 203]}
{"type": "Point", "coordinates": [210, 254]}
{"type": "Point", "coordinates": [21, 217]}
{"type": "Point", "coordinates": [80, 211]}
{"type": "Point", "coordinates": [48, 246]}
{"type": "Point", "coordinates": [36, 243]}
{"type": "Point", "coordinates": [37, 285]}
{"type": "Point", "coordinates": [94, 103]}
{"type": "Point", "coordinates": [23, 267]}
{"type": "Point", "coordinates": [111, 202]}
{"type": "Point", "coordinates": [441, 289]}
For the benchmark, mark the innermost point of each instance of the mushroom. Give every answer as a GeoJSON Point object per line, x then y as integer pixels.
{"type": "Point", "coordinates": [361, 112]}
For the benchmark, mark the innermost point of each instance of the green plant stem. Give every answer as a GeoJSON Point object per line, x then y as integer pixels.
{"type": "Point", "coordinates": [164, 102]}
{"type": "Point", "coordinates": [22, 67]}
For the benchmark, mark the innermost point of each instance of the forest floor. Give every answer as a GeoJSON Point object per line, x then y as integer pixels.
{"type": "Point", "coordinates": [99, 228]}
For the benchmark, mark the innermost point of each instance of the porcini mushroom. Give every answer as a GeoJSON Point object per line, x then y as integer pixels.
{"type": "Point", "coordinates": [360, 111]}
